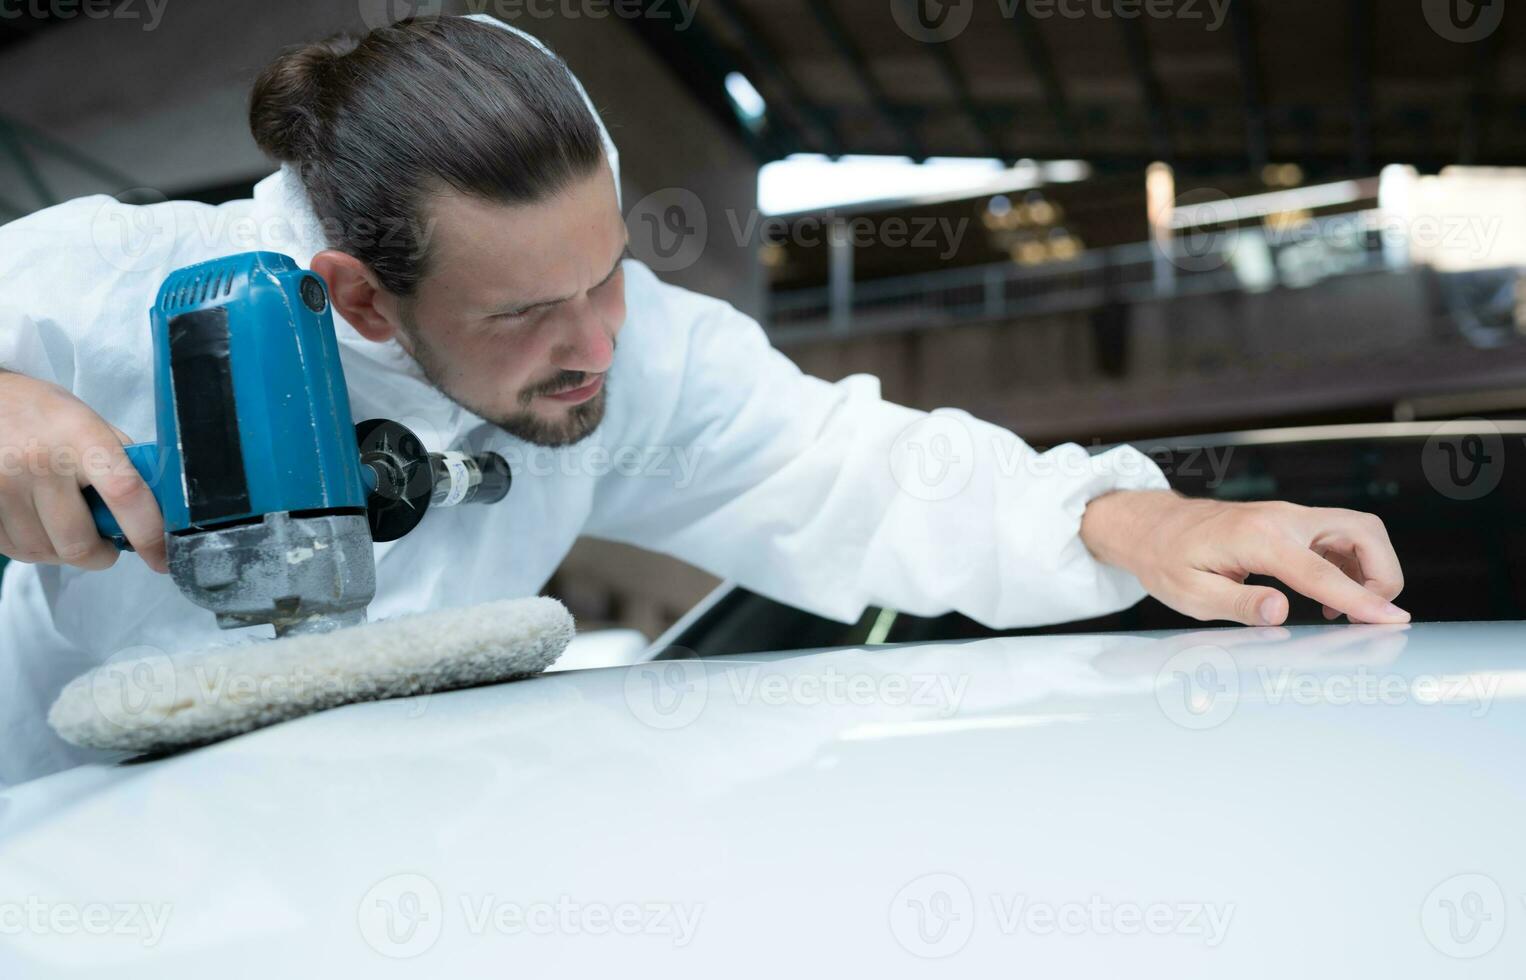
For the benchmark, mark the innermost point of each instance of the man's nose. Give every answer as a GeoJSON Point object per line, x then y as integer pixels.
{"type": "Point", "coordinates": [586, 343]}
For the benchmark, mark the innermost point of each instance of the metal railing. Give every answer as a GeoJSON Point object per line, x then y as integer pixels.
{"type": "Point", "coordinates": [1246, 259]}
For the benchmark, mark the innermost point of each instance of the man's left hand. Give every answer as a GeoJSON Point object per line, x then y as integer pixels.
{"type": "Point", "coordinates": [1195, 555]}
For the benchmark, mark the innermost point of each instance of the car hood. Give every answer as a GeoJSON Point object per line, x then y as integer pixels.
{"type": "Point", "coordinates": [1223, 803]}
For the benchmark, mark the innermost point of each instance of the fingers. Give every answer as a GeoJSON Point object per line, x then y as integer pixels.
{"type": "Point", "coordinates": [1212, 596]}
{"type": "Point", "coordinates": [71, 531]}
{"type": "Point", "coordinates": [1323, 582]}
{"type": "Point", "coordinates": [1347, 564]}
{"type": "Point", "coordinates": [125, 494]}
{"type": "Point", "coordinates": [1359, 546]}
{"type": "Point", "coordinates": [1365, 537]}
{"type": "Point", "coordinates": [25, 539]}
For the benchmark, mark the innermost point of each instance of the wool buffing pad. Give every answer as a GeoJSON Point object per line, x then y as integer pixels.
{"type": "Point", "coordinates": [163, 702]}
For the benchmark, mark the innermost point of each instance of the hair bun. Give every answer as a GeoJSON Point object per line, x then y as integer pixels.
{"type": "Point", "coordinates": [289, 96]}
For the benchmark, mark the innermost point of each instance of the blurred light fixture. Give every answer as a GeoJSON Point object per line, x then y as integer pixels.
{"type": "Point", "coordinates": [809, 182]}
{"type": "Point", "coordinates": [1282, 175]}
{"type": "Point", "coordinates": [746, 100]}
{"type": "Point", "coordinates": [773, 255]}
{"type": "Point", "coordinates": [1288, 221]}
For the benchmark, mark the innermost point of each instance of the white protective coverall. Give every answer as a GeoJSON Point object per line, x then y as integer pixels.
{"type": "Point", "coordinates": [715, 448]}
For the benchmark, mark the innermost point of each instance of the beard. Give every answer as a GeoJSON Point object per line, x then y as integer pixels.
{"type": "Point", "coordinates": [579, 423]}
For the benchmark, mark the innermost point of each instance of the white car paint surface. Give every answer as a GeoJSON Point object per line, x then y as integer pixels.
{"type": "Point", "coordinates": [1339, 801]}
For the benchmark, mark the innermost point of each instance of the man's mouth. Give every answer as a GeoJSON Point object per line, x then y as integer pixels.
{"type": "Point", "coordinates": [573, 396]}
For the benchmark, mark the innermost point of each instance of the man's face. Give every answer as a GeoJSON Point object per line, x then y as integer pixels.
{"type": "Point", "coordinates": [518, 317]}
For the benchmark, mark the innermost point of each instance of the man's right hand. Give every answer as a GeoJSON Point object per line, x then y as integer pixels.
{"type": "Point", "coordinates": [52, 446]}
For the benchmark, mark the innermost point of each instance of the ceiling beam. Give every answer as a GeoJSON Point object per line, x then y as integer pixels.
{"type": "Point", "coordinates": [1242, 16]}
{"type": "Point", "coordinates": [1143, 66]}
{"type": "Point", "coordinates": [772, 70]}
{"type": "Point", "coordinates": [955, 77]}
{"type": "Point", "coordinates": [1479, 104]}
{"type": "Point", "coordinates": [1042, 65]}
{"type": "Point", "coordinates": [700, 66]}
{"type": "Point", "coordinates": [1362, 23]}
{"type": "Point", "coordinates": [837, 34]}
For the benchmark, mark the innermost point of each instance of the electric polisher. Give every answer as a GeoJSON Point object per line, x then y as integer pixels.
{"type": "Point", "coordinates": [271, 495]}
{"type": "Point", "coordinates": [273, 498]}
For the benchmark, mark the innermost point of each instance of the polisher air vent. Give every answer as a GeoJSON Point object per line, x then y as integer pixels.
{"type": "Point", "coordinates": [196, 286]}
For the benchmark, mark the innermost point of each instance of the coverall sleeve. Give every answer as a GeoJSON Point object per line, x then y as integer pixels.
{"type": "Point", "coordinates": [68, 314]}
{"type": "Point", "coordinates": [829, 498]}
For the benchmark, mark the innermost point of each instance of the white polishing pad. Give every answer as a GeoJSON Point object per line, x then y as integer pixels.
{"type": "Point", "coordinates": [170, 701]}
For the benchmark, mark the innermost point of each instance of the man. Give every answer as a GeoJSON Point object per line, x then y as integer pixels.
{"type": "Point", "coordinates": [453, 186]}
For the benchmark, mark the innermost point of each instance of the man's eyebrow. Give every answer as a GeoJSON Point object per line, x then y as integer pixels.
{"type": "Point", "coordinates": [506, 310]}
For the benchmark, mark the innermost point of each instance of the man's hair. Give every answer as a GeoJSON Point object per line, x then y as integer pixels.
{"type": "Point", "coordinates": [375, 124]}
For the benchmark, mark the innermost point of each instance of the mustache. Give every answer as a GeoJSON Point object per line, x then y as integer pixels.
{"type": "Point", "coordinates": [555, 385]}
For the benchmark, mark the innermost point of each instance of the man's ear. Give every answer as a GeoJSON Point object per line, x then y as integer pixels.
{"type": "Point", "coordinates": [357, 295]}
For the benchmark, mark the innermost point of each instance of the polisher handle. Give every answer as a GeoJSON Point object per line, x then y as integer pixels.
{"type": "Point", "coordinates": [145, 458]}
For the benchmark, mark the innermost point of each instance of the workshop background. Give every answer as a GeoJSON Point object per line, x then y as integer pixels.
{"type": "Point", "coordinates": [1086, 220]}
